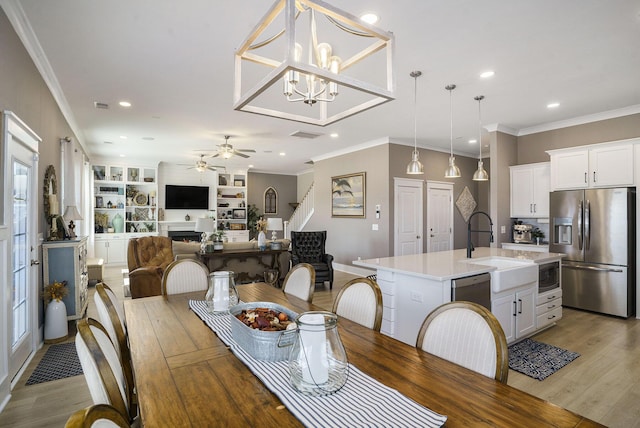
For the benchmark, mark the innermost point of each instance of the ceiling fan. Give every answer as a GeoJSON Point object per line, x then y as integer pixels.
{"type": "Point", "coordinates": [201, 165]}
{"type": "Point", "coordinates": [226, 150]}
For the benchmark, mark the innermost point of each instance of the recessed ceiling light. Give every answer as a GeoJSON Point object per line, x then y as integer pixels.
{"type": "Point", "coordinates": [553, 105]}
{"type": "Point", "coordinates": [251, 166]}
{"type": "Point", "coordinates": [334, 135]}
{"type": "Point", "coordinates": [369, 18]}
{"type": "Point", "coordinates": [473, 141]}
{"type": "Point", "coordinates": [124, 104]}
{"type": "Point", "coordinates": [121, 155]}
{"type": "Point", "coordinates": [487, 74]}
{"type": "Point", "coordinates": [124, 137]}
{"type": "Point", "coordinates": [282, 153]}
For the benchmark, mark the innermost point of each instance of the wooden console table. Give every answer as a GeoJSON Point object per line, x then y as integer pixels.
{"type": "Point", "coordinates": [223, 260]}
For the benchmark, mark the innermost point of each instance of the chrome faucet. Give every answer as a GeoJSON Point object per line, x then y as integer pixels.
{"type": "Point", "coordinates": [470, 247]}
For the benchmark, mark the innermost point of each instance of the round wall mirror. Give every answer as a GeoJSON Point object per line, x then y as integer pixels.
{"type": "Point", "coordinates": [50, 188]}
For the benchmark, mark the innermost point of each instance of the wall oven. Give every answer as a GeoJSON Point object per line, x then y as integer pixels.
{"type": "Point", "coordinates": [548, 276]}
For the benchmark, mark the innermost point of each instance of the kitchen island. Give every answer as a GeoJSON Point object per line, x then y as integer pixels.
{"type": "Point", "coordinates": [414, 285]}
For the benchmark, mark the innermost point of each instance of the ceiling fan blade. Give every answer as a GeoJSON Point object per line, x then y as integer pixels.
{"type": "Point", "coordinates": [246, 150]}
{"type": "Point", "coordinates": [242, 155]}
{"type": "Point", "coordinates": [215, 156]}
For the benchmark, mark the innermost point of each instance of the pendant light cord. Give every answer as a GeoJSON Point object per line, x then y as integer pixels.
{"type": "Point", "coordinates": [415, 115]}
{"type": "Point", "coordinates": [479, 98]}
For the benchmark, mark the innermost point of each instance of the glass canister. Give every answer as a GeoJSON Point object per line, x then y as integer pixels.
{"type": "Point", "coordinates": [222, 293]}
{"type": "Point", "coordinates": [318, 362]}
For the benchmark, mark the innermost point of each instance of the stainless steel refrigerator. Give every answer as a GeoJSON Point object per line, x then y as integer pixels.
{"type": "Point", "coordinates": [595, 228]}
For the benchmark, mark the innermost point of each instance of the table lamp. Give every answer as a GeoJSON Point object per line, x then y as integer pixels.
{"type": "Point", "coordinates": [70, 214]}
{"type": "Point", "coordinates": [206, 226]}
{"type": "Point", "coordinates": [274, 225]}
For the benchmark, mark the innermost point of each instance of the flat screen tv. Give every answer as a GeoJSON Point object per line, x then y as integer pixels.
{"type": "Point", "coordinates": [186, 197]}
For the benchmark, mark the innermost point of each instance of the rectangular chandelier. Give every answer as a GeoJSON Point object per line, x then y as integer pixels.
{"type": "Point", "coordinates": [310, 62]}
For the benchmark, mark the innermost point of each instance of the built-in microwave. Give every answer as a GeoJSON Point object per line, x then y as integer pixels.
{"type": "Point", "coordinates": [548, 276]}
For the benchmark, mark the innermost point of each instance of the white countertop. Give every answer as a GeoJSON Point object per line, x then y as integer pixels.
{"type": "Point", "coordinates": [445, 265]}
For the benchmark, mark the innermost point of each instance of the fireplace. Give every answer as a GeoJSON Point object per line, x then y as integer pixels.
{"type": "Point", "coordinates": [184, 235]}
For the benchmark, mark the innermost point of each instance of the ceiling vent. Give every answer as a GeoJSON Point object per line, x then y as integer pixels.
{"type": "Point", "coordinates": [303, 134]}
{"type": "Point", "coordinates": [103, 106]}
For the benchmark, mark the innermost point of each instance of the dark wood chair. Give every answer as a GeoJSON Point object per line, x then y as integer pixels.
{"type": "Point", "coordinates": [309, 247]}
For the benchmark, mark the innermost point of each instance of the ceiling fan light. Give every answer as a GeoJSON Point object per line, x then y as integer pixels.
{"type": "Point", "coordinates": [452, 170]}
{"type": "Point", "coordinates": [415, 166]}
{"type": "Point", "coordinates": [480, 174]}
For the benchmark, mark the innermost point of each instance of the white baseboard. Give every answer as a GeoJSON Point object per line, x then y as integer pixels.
{"type": "Point", "coordinates": [353, 270]}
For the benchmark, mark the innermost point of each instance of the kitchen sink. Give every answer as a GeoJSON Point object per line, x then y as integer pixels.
{"type": "Point", "coordinates": [510, 273]}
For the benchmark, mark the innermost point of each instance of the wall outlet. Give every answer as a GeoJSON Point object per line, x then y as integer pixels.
{"type": "Point", "coordinates": [503, 229]}
{"type": "Point", "coordinates": [416, 297]}
{"type": "Point", "coordinates": [374, 226]}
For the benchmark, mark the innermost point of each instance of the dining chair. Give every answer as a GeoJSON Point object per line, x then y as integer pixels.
{"type": "Point", "coordinates": [183, 276]}
{"type": "Point", "coordinates": [107, 307]}
{"type": "Point", "coordinates": [469, 335]}
{"type": "Point", "coordinates": [360, 300]}
{"type": "Point", "coordinates": [300, 281]}
{"type": "Point", "coordinates": [102, 369]}
{"type": "Point", "coordinates": [97, 416]}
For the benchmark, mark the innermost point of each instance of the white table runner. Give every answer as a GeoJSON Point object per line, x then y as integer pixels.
{"type": "Point", "coordinates": [361, 402]}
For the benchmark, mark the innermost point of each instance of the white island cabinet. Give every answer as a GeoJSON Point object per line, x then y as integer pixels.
{"type": "Point", "coordinates": [414, 285]}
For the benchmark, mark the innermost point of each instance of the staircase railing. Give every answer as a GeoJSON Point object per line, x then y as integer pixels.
{"type": "Point", "coordinates": [301, 215]}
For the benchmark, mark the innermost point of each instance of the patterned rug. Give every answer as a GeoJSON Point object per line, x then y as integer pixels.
{"type": "Point", "coordinates": [538, 360]}
{"type": "Point", "coordinates": [60, 361]}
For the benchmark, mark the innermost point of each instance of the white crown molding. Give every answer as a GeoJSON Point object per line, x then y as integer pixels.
{"type": "Point", "coordinates": [347, 150]}
{"type": "Point", "coordinates": [493, 127]}
{"type": "Point", "coordinates": [610, 114]}
{"type": "Point", "coordinates": [21, 25]}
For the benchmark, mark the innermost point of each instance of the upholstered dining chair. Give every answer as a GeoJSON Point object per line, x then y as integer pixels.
{"type": "Point", "coordinates": [183, 276]}
{"type": "Point", "coordinates": [97, 416]}
{"type": "Point", "coordinates": [469, 335]}
{"type": "Point", "coordinates": [309, 247]}
{"type": "Point", "coordinates": [102, 369]}
{"type": "Point", "coordinates": [300, 282]}
{"type": "Point", "coordinates": [360, 300]}
{"type": "Point", "coordinates": [111, 316]}
{"type": "Point", "coordinates": [147, 258]}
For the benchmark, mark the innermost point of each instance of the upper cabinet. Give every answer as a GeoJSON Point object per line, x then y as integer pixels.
{"type": "Point", "coordinates": [530, 190]}
{"type": "Point", "coordinates": [602, 165]}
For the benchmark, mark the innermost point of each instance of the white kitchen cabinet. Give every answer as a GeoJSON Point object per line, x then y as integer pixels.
{"type": "Point", "coordinates": [516, 311]}
{"type": "Point", "coordinates": [530, 190]}
{"type": "Point", "coordinates": [67, 261]}
{"type": "Point", "coordinates": [548, 308]}
{"type": "Point", "coordinates": [112, 248]}
{"type": "Point", "coordinates": [602, 165]}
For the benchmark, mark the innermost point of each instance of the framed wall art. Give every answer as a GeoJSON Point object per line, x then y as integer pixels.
{"type": "Point", "coordinates": [348, 195]}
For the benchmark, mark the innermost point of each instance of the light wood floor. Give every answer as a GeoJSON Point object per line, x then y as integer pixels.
{"type": "Point", "coordinates": [602, 384]}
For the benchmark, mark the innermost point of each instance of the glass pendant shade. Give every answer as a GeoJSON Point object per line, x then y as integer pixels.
{"type": "Point", "coordinates": [480, 174]}
{"type": "Point", "coordinates": [415, 167]}
{"type": "Point", "coordinates": [452, 170]}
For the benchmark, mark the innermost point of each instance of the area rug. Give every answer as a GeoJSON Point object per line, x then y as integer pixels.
{"type": "Point", "coordinates": [538, 360]}
{"type": "Point", "coordinates": [60, 361]}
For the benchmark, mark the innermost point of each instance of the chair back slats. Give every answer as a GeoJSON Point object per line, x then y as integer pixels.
{"type": "Point", "coordinates": [183, 276]}
{"type": "Point", "coordinates": [360, 300]}
{"type": "Point", "coordinates": [469, 335]}
{"type": "Point", "coordinates": [300, 282]}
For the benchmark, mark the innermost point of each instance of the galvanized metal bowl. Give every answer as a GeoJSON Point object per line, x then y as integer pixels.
{"type": "Point", "coordinates": [263, 345]}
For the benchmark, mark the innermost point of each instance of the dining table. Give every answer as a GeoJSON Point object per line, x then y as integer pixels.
{"type": "Point", "coordinates": [185, 376]}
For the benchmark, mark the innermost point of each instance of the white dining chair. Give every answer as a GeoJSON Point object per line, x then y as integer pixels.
{"type": "Point", "coordinates": [360, 300]}
{"type": "Point", "coordinates": [300, 281]}
{"type": "Point", "coordinates": [183, 276]}
{"type": "Point", "coordinates": [469, 335]}
{"type": "Point", "coordinates": [101, 367]}
{"type": "Point", "coordinates": [97, 416]}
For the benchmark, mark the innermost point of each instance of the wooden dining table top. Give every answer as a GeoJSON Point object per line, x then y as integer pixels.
{"type": "Point", "coordinates": [186, 377]}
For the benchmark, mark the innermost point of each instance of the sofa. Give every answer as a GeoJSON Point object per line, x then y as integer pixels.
{"type": "Point", "coordinates": [248, 267]}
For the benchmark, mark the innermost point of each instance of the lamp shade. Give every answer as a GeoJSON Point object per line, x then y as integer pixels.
{"type": "Point", "coordinates": [205, 224]}
{"type": "Point", "coordinates": [274, 224]}
{"type": "Point", "coordinates": [71, 213]}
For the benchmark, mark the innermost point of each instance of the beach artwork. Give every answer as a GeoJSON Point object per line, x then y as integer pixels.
{"type": "Point", "coordinates": [348, 197]}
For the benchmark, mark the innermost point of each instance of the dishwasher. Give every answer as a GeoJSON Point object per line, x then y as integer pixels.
{"type": "Point", "coordinates": [476, 288]}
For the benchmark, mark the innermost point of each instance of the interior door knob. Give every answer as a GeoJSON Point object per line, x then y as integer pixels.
{"type": "Point", "coordinates": [35, 262]}
{"type": "Point", "coordinates": [418, 237]}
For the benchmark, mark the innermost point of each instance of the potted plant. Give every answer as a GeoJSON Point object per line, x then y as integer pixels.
{"type": "Point", "coordinates": [218, 240]}
{"type": "Point", "coordinates": [538, 235]}
{"type": "Point", "coordinates": [56, 328]}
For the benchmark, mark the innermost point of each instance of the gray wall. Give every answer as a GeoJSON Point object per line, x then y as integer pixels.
{"type": "Point", "coordinates": [503, 148]}
{"type": "Point", "coordinates": [285, 186]}
{"type": "Point", "coordinates": [305, 180]}
{"type": "Point", "coordinates": [531, 148]}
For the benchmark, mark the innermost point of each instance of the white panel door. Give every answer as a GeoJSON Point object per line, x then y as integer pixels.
{"type": "Point", "coordinates": [439, 216]}
{"type": "Point", "coordinates": [407, 216]}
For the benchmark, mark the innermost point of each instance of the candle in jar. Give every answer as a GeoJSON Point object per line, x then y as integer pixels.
{"type": "Point", "coordinates": [313, 336]}
{"type": "Point", "coordinates": [220, 293]}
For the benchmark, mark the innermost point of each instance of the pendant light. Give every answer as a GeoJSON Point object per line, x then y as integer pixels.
{"type": "Point", "coordinates": [415, 166]}
{"type": "Point", "coordinates": [480, 174]}
{"type": "Point", "coordinates": [452, 170]}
